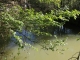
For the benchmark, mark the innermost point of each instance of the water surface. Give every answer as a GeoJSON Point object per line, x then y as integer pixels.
{"type": "Point", "coordinates": [12, 51]}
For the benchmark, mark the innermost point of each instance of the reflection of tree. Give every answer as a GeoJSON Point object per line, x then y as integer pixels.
{"type": "Point", "coordinates": [75, 58]}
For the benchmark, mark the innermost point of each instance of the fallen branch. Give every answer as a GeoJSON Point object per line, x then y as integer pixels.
{"type": "Point", "coordinates": [76, 58]}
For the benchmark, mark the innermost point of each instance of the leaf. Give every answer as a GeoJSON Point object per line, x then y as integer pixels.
{"type": "Point", "coordinates": [78, 39]}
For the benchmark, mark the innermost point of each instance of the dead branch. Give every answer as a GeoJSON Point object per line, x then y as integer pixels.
{"type": "Point", "coordinates": [76, 58]}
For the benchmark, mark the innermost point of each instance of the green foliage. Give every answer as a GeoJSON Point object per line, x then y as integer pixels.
{"type": "Point", "coordinates": [65, 15]}
{"type": "Point", "coordinates": [56, 2]}
{"type": "Point", "coordinates": [16, 18]}
{"type": "Point", "coordinates": [48, 5]}
{"type": "Point", "coordinates": [8, 23]}
{"type": "Point", "coordinates": [35, 21]}
{"type": "Point", "coordinates": [53, 44]}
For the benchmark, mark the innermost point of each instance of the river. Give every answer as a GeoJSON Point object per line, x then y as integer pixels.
{"type": "Point", "coordinates": [12, 52]}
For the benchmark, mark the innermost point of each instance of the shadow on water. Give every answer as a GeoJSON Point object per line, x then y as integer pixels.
{"type": "Point", "coordinates": [26, 36]}
{"type": "Point", "coordinates": [66, 31]}
{"type": "Point", "coordinates": [30, 38]}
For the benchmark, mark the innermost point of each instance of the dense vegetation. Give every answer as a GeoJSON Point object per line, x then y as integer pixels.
{"type": "Point", "coordinates": [36, 16]}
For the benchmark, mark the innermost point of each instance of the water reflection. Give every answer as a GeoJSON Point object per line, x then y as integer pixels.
{"type": "Point", "coordinates": [65, 31]}
{"type": "Point", "coordinates": [26, 36]}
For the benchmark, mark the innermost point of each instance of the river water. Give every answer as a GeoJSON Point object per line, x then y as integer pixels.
{"type": "Point", "coordinates": [12, 52]}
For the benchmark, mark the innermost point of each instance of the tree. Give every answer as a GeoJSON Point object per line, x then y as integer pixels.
{"type": "Point", "coordinates": [15, 18]}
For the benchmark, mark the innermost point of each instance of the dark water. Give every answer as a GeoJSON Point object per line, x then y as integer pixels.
{"type": "Point", "coordinates": [66, 31]}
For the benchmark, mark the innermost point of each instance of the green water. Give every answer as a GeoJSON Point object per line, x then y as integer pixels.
{"type": "Point", "coordinates": [72, 46]}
